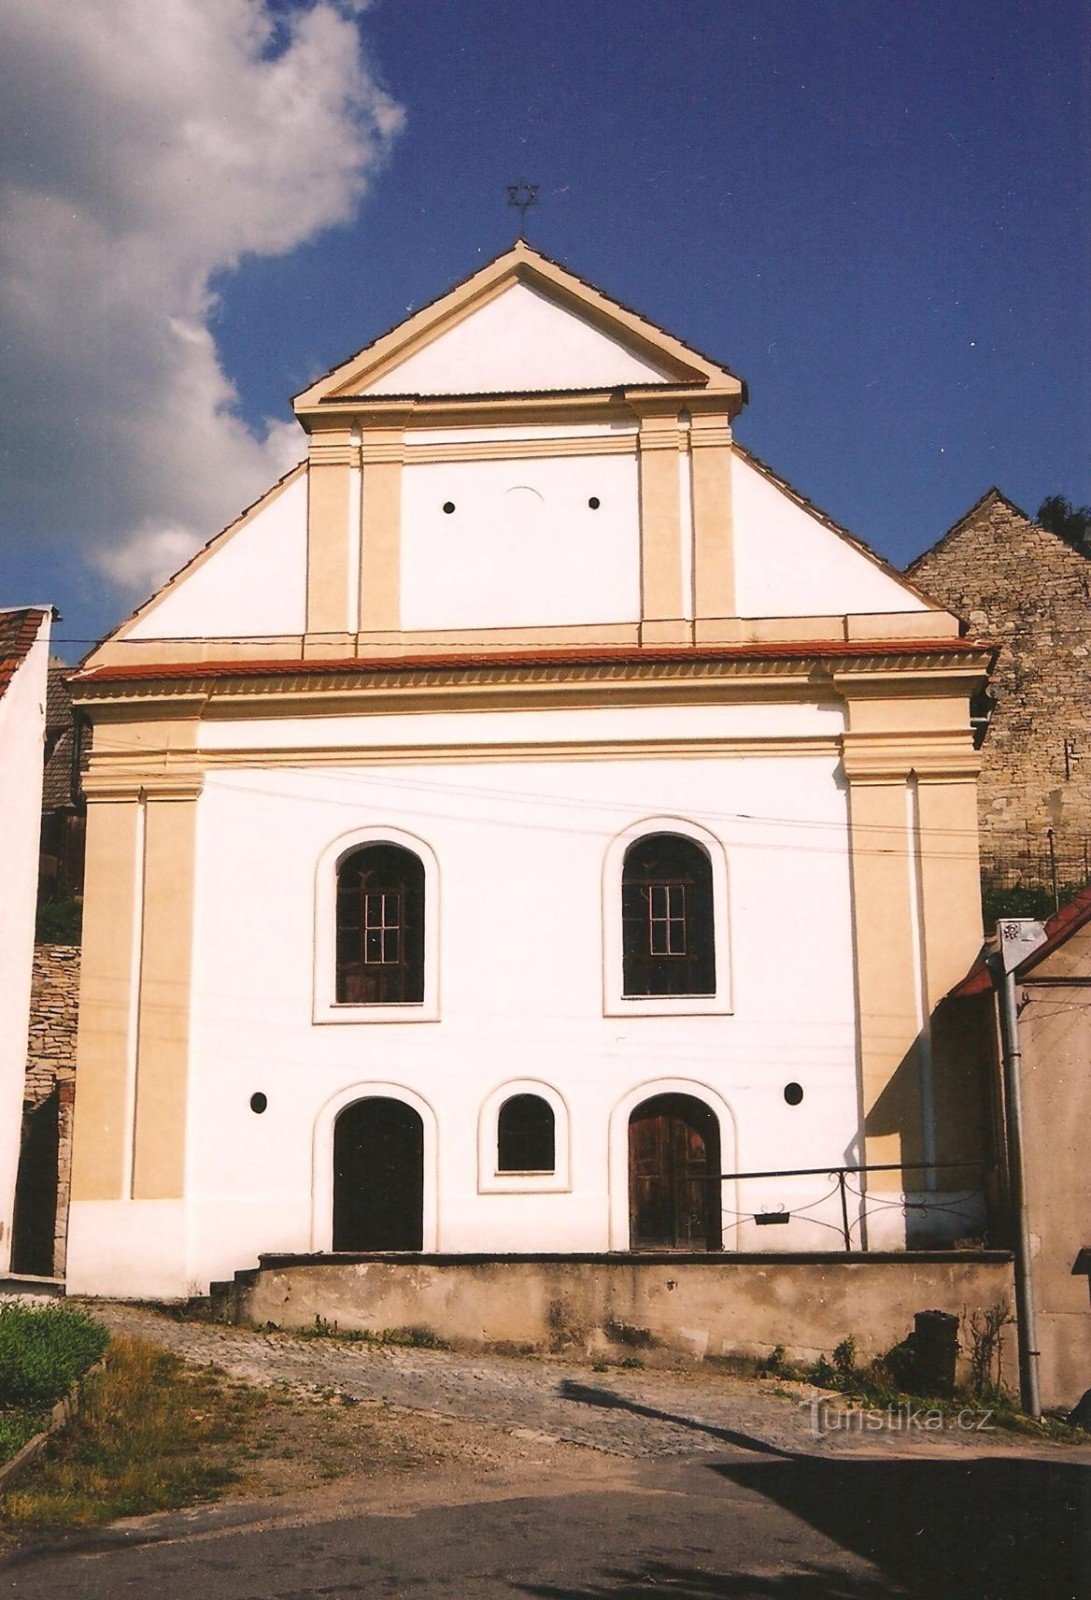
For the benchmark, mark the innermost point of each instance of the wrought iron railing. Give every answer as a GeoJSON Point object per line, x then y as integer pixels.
{"type": "Point", "coordinates": [868, 1203]}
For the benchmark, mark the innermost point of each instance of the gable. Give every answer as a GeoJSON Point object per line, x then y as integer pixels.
{"type": "Point", "coordinates": [522, 340]}
{"type": "Point", "coordinates": [790, 561]}
{"type": "Point", "coordinates": [521, 323]}
{"type": "Point", "coordinates": [250, 582]}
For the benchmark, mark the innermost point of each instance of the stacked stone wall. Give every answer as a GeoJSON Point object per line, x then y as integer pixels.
{"type": "Point", "coordinates": [51, 1062]}
{"type": "Point", "coordinates": [1029, 591]}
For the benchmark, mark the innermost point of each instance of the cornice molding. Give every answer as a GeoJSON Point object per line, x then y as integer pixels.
{"type": "Point", "coordinates": [121, 775]}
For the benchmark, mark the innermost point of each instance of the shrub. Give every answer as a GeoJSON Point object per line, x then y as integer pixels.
{"type": "Point", "coordinates": [43, 1350]}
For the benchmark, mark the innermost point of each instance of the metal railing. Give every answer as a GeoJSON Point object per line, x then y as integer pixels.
{"type": "Point", "coordinates": [839, 1176]}
{"type": "Point", "coordinates": [1045, 868]}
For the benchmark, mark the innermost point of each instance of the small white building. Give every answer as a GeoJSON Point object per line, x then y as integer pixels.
{"type": "Point", "coordinates": [530, 815]}
{"type": "Point", "coordinates": [24, 661]}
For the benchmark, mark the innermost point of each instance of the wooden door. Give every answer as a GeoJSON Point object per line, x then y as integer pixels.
{"type": "Point", "coordinates": [378, 1177]}
{"type": "Point", "coordinates": [674, 1158]}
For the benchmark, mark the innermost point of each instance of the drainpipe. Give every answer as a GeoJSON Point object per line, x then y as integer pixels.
{"type": "Point", "coordinates": [1018, 938]}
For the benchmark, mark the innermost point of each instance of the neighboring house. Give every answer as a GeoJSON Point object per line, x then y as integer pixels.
{"type": "Point", "coordinates": [1054, 999]}
{"type": "Point", "coordinates": [529, 815]}
{"type": "Point", "coordinates": [24, 655]}
{"type": "Point", "coordinates": [1030, 591]}
{"type": "Point", "coordinates": [63, 811]}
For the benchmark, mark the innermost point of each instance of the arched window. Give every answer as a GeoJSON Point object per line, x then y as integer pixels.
{"type": "Point", "coordinates": [380, 927]}
{"type": "Point", "coordinates": [525, 1135]}
{"type": "Point", "coordinates": [668, 933]}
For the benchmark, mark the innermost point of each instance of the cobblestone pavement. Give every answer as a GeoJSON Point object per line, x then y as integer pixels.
{"type": "Point", "coordinates": [634, 1414]}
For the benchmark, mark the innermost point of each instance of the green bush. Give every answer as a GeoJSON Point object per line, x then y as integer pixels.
{"type": "Point", "coordinates": [59, 921]}
{"type": "Point", "coordinates": [43, 1350]}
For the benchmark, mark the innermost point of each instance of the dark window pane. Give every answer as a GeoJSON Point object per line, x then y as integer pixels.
{"type": "Point", "coordinates": [525, 1137]}
{"type": "Point", "coordinates": [380, 927]}
{"type": "Point", "coordinates": [668, 937]}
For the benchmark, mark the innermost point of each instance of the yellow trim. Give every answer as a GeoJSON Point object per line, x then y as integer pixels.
{"type": "Point", "coordinates": [159, 1140]}
{"type": "Point", "coordinates": [713, 522]}
{"type": "Point", "coordinates": [659, 442]}
{"type": "Point", "coordinates": [520, 264]}
{"type": "Point", "coordinates": [615, 444]}
{"type": "Point", "coordinates": [121, 776]}
{"type": "Point", "coordinates": [329, 482]}
{"type": "Point", "coordinates": [107, 980]}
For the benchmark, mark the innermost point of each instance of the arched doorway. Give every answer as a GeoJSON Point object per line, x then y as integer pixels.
{"type": "Point", "coordinates": [378, 1176]}
{"type": "Point", "coordinates": [674, 1158]}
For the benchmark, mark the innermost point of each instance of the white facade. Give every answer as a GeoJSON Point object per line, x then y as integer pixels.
{"type": "Point", "coordinates": [511, 638]}
{"type": "Point", "coordinates": [23, 679]}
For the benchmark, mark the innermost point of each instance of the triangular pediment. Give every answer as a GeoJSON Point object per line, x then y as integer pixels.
{"type": "Point", "coordinates": [521, 325]}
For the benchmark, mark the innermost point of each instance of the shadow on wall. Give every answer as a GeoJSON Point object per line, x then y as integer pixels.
{"type": "Point", "coordinates": [962, 1119]}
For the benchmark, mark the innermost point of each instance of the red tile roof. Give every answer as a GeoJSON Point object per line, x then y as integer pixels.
{"type": "Point", "coordinates": [1059, 927]}
{"type": "Point", "coordinates": [18, 631]}
{"type": "Point", "coordinates": [610, 656]}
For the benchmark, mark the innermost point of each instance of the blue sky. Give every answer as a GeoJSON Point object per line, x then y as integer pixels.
{"type": "Point", "coordinates": [877, 213]}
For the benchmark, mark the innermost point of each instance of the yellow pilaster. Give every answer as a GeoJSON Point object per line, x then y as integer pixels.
{"type": "Point", "coordinates": [911, 771]}
{"type": "Point", "coordinates": [106, 1010]}
{"type": "Point", "coordinates": [162, 1058]}
{"type": "Point", "coordinates": [382, 454]}
{"type": "Point", "coordinates": [713, 530]}
{"type": "Point", "coordinates": [659, 441]}
{"type": "Point", "coordinates": [329, 564]}
{"type": "Point", "coordinates": [887, 987]}
{"type": "Point", "coordinates": [950, 870]}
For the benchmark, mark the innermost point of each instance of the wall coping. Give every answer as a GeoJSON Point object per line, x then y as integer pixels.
{"type": "Point", "coordinates": [650, 1258]}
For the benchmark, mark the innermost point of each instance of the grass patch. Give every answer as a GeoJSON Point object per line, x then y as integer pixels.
{"type": "Point", "coordinates": [149, 1437]}
{"type": "Point", "coordinates": [43, 1350]}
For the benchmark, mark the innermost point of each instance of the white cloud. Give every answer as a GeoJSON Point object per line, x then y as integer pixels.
{"type": "Point", "coordinates": [145, 148]}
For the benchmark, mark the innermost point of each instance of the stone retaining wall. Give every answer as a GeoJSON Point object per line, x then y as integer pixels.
{"type": "Point", "coordinates": [700, 1305]}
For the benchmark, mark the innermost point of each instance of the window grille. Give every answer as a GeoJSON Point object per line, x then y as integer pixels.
{"type": "Point", "coordinates": [380, 927]}
{"type": "Point", "coordinates": [667, 918]}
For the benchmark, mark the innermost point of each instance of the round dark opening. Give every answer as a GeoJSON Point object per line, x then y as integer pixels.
{"type": "Point", "coordinates": [258, 1102]}
{"type": "Point", "coordinates": [594, 502]}
{"type": "Point", "coordinates": [793, 1093]}
{"type": "Point", "coordinates": [448, 506]}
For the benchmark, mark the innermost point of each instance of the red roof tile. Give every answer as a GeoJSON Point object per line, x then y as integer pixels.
{"type": "Point", "coordinates": [1059, 927]}
{"type": "Point", "coordinates": [610, 656]}
{"type": "Point", "coordinates": [18, 631]}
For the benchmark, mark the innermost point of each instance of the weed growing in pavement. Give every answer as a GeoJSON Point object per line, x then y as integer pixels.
{"type": "Point", "coordinates": [874, 1386]}
{"type": "Point", "coordinates": [411, 1338]}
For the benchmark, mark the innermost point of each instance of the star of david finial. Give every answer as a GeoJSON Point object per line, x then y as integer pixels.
{"type": "Point", "coordinates": [522, 195]}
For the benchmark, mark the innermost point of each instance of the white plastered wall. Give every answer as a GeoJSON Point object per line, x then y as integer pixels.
{"type": "Point", "coordinates": [22, 735]}
{"type": "Point", "coordinates": [521, 340]}
{"type": "Point", "coordinates": [520, 848]}
{"type": "Point", "coordinates": [253, 585]}
{"type": "Point", "coordinates": [788, 563]}
{"type": "Point", "coordinates": [523, 546]}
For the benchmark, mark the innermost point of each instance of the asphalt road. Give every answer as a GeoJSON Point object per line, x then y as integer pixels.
{"type": "Point", "coordinates": [741, 1524]}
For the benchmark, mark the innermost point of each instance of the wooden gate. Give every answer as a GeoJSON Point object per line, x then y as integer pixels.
{"type": "Point", "coordinates": [378, 1177]}
{"type": "Point", "coordinates": [674, 1152]}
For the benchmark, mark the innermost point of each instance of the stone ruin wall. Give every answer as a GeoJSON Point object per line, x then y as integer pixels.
{"type": "Point", "coordinates": [1030, 592]}
{"type": "Point", "coordinates": [51, 1061]}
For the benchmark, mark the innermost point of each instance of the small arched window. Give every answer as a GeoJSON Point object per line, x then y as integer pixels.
{"type": "Point", "coordinates": [668, 932]}
{"type": "Point", "coordinates": [526, 1135]}
{"type": "Point", "coordinates": [380, 927]}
